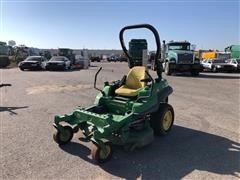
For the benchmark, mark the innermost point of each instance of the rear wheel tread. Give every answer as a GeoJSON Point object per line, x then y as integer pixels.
{"type": "Point", "coordinates": [157, 119]}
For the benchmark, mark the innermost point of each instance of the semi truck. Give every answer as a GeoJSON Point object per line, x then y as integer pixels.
{"type": "Point", "coordinates": [178, 57]}
{"type": "Point", "coordinates": [234, 51]}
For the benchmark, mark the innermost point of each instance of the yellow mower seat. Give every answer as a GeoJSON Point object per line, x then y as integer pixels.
{"type": "Point", "coordinates": [133, 82]}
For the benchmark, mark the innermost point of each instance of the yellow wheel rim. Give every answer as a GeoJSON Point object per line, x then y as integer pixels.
{"type": "Point", "coordinates": [167, 120]}
{"type": "Point", "coordinates": [104, 155]}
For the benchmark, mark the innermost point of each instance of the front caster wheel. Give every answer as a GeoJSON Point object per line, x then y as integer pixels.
{"type": "Point", "coordinates": [63, 137]}
{"type": "Point", "coordinates": [100, 155]}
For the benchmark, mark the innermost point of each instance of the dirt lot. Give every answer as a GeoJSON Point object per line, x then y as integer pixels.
{"type": "Point", "coordinates": [203, 144]}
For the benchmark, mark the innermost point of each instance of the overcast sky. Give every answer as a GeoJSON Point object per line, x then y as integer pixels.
{"type": "Point", "coordinates": [96, 24]}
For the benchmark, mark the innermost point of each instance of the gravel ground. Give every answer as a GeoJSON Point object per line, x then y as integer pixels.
{"type": "Point", "coordinates": [203, 144]}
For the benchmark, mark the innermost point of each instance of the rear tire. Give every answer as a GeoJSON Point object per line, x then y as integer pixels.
{"type": "Point", "coordinates": [162, 120]}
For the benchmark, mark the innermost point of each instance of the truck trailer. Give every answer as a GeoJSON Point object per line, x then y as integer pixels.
{"type": "Point", "coordinates": [234, 50]}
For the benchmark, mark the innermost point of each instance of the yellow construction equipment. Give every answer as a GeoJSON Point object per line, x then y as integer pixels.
{"type": "Point", "coordinates": [215, 55]}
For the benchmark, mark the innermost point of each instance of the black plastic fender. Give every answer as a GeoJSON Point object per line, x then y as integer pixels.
{"type": "Point", "coordinates": [164, 93]}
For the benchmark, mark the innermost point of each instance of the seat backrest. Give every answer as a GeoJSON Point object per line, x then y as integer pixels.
{"type": "Point", "coordinates": [134, 76]}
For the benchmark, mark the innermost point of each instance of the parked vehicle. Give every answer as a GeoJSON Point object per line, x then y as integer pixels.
{"type": "Point", "coordinates": [21, 53]}
{"type": "Point", "coordinates": [123, 57]}
{"type": "Point", "coordinates": [58, 63]}
{"type": "Point", "coordinates": [115, 58]}
{"type": "Point", "coordinates": [112, 58]}
{"type": "Point", "coordinates": [95, 58]}
{"type": "Point", "coordinates": [33, 63]}
{"type": "Point", "coordinates": [46, 54]}
{"type": "Point", "coordinates": [81, 62]}
{"type": "Point", "coordinates": [215, 55]}
{"type": "Point", "coordinates": [234, 51]}
{"type": "Point", "coordinates": [4, 52]}
{"type": "Point", "coordinates": [217, 65]}
{"type": "Point", "coordinates": [68, 53]}
{"type": "Point", "coordinates": [235, 63]}
{"type": "Point", "coordinates": [178, 57]}
{"type": "Point", "coordinates": [199, 53]}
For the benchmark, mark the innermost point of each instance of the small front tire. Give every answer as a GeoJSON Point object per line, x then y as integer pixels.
{"type": "Point", "coordinates": [99, 155]}
{"type": "Point", "coordinates": [63, 137]}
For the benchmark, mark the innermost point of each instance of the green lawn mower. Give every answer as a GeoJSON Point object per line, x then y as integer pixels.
{"type": "Point", "coordinates": [127, 112]}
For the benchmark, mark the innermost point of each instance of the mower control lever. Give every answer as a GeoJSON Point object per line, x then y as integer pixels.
{"type": "Point", "coordinates": [149, 76]}
{"type": "Point", "coordinates": [151, 80]}
{"type": "Point", "coordinates": [95, 80]}
{"type": "Point", "coordinates": [146, 80]}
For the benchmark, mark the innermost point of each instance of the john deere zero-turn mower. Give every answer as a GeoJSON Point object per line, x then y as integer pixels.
{"type": "Point", "coordinates": [127, 112]}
